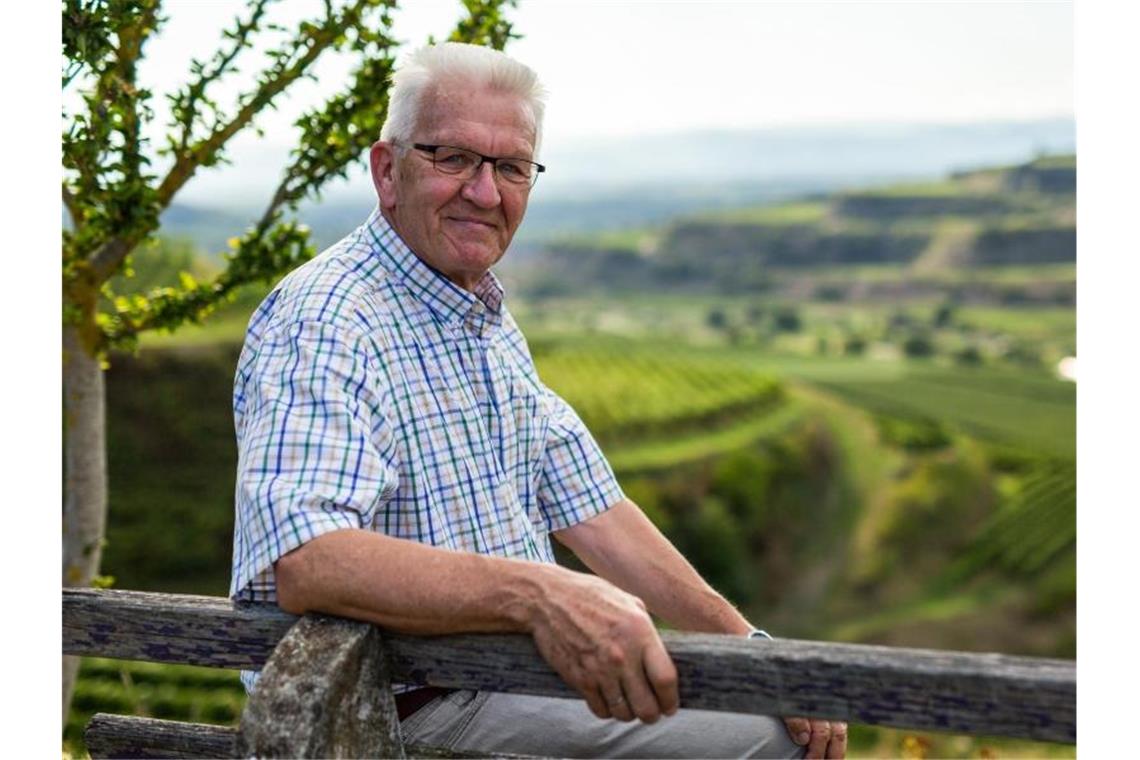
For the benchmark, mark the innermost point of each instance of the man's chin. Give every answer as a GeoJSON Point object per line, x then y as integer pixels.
{"type": "Point", "coordinates": [476, 254]}
{"type": "Point", "coordinates": [468, 264]}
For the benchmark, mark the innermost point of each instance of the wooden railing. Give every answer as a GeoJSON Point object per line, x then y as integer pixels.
{"type": "Point", "coordinates": [325, 683]}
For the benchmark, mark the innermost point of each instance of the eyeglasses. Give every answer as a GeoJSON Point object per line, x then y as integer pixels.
{"type": "Point", "coordinates": [465, 164]}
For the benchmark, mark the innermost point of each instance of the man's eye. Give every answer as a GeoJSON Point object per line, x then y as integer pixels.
{"type": "Point", "coordinates": [454, 160]}
{"type": "Point", "coordinates": [514, 169]}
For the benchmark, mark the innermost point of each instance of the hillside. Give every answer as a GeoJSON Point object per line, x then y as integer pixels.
{"type": "Point", "coordinates": [954, 237]}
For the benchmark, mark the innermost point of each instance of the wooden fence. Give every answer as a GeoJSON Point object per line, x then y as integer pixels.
{"type": "Point", "coordinates": [325, 684]}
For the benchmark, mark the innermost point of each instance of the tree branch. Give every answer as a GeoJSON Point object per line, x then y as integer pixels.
{"type": "Point", "coordinates": [315, 41]}
{"type": "Point", "coordinates": [223, 60]}
{"type": "Point", "coordinates": [334, 135]}
{"type": "Point", "coordinates": [72, 205]}
{"type": "Point", "coordinates": [263, 253]}
{"type": "Point", "coordinates": [131, 40]}
{"type": "Point", "coordinates": [107, 258]}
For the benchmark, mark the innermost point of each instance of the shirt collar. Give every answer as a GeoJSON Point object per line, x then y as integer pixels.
{"type": "Point", "coordinates": [480, 311]}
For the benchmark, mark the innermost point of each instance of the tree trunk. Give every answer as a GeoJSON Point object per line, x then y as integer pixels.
{"type": "Point", "coordinates": [85, 475]}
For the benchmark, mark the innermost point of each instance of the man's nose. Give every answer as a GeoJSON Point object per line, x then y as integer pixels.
{"type": "Point", "coordinates": [482, 189]}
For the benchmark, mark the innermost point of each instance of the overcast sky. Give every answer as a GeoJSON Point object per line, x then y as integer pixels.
{"type": "Point", "coordinates": [628, 68]}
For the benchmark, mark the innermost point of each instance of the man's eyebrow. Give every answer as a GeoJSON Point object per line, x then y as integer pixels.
{"type": "Point", "coordinates": [525, 151]}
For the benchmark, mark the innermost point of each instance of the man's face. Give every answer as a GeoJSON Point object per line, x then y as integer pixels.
{"type": "Point", "coordinates": [459, 227]}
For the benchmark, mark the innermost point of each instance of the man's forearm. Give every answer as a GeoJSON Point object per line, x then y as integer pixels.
{"type": "Point", "coordinates": [625, 548]}
{"type": "Point", "coordinates": [408, 586]}
{"type": "Point", "coordinates": [599, 638]}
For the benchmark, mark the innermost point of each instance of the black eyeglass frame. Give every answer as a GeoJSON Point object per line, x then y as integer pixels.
{"type": "Point", "coordinates": [538, 168]}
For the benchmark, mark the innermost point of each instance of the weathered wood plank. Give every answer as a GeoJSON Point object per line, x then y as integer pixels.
{"type": "Point", "coordinates": [965, 692]}
{"type": "Point", "coordinates": [130, 737]}
{"type": "Point", "coordinates": [983, 694]}
{"type": "Point", "coordinates": [195, 630]}
{"type": "Point", "coordinates": [325, 692]}
{"type": "Point", "coordinates": [117, 736]}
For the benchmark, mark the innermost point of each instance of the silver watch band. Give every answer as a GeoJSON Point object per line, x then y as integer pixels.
{"type": "Point", "coordinates": [756, 633]}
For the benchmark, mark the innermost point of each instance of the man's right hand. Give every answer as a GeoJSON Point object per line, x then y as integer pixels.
{"type": "Point", "coordinates": [603, 643]}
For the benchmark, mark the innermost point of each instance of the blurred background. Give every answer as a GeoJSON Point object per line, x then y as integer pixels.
{"type": "Point", "coordinates": [807, 271]}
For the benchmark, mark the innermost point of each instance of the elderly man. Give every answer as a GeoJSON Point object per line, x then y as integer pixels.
{"type": "Point", "coordinates": [401, 462]}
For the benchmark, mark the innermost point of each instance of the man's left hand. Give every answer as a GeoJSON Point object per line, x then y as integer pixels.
{"type": "Point", "coordinates": [823, 738]}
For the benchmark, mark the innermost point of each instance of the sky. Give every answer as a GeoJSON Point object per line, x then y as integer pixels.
{"type": "Point", "coordinates": [616, 69]}
{"type": "Point", "coordinates": [622, 68]}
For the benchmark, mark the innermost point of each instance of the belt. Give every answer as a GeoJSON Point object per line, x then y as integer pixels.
{"type": "Point", "coordinates": [410, 701]}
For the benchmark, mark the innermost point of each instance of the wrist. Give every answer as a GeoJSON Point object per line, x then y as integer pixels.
{"type": "Point", "coordinates": [530, 590]}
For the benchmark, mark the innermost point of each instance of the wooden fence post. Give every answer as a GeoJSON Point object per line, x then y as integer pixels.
{"type": "Point", "coordinates": [325, 692]}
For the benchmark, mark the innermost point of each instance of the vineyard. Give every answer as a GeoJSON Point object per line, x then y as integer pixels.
{"type": "Point", "coordinates": [627, 394]}
{"type": "Point", "coordinates": [651, 409]}
{"type": "Point", "coordinates": [1029, 411]}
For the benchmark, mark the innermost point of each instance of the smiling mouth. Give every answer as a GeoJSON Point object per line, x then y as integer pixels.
{"type": "Point", "coordinates": [468, 220]}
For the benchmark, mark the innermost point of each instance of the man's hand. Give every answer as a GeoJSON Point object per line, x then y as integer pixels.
{"type": "Point", "coordinates": [602, 642]}
{"type": "Point", "coordinates": [824, 738]}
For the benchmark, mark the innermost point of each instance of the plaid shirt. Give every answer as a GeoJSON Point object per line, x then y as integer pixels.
{"type": "Point", "coordinates": [372, 392]}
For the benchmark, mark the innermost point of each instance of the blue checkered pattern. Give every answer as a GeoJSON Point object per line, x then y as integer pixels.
{"type": "Point", "coordinates": [374, 393]}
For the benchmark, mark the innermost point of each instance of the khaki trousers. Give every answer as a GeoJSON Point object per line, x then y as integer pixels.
{"type": "Point", "coordinates": [491, 722]}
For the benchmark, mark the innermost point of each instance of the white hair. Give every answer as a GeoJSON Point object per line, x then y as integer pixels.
{"type": "Point", "coordinates": [451, 62]}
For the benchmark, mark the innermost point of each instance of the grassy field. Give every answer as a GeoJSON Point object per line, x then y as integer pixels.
{"type": "Point", "coordinates": [806, 212]}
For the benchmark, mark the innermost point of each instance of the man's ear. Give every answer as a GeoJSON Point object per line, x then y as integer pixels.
{"type": "Point", "coordinates": [382, 159]}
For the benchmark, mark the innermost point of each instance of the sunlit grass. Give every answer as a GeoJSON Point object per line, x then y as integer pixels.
{"type": "Point", "coordinates": [807, 212]}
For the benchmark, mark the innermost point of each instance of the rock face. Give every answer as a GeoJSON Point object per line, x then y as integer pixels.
{"type": "Point", "coordinates": [884, 207]}
{"type": "Point", "coordinates": [1049, 245]}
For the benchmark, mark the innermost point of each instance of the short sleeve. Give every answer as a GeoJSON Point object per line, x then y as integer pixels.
{"type": "Point", "coordinates": [577, 482]}
{"type": "Point", "coordinates": [315, 451]}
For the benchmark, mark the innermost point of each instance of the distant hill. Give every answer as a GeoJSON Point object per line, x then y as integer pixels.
{"type": "Point", "coordinates": [1020, 215]}
{"type": "Point", "coordinates": [622, 182]}
{"type": "Point", "coordinates": [857, 154]}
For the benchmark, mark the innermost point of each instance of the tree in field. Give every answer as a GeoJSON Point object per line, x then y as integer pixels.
{"type": "Point", "coordinates": [113, 196]}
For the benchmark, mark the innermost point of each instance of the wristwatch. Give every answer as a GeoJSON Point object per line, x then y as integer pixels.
{"type": "Point", "coordinates": [756, 633]}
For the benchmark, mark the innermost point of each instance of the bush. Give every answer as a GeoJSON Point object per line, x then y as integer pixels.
{"type": "Point", "coordinates": [918, 346]}
{"type": "Point", "coordinates": [787, 319]}
{"type": "Point", "coordinates": [915, 434]}
{"type": "Point", "coordinates": [742, 481]}
{"type": "Point", "coordinates": [717, 549]}
{"type": "Point", "coordinates": [943, 315]}
{"type": "Point", "coordinates": [969, 356]}
{"type": "Point", "coordinates": [716, 319]}
{"type": "Point", "coordinates": [854, 345]}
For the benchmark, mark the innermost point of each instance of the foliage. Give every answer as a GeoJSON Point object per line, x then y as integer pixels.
{"type": "Point", "coordinates": [1035, 525]}
{"type": "Point", "coordinates": [171, 461]}
{"type": "Point", "coordinates": [113, 197]}
{"type": "Point", "coordinates": [912, 433]}
{"type": "Point", "coordinates": [787, 319]}
{"type": "Point", "coordinates": [918, 345]}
